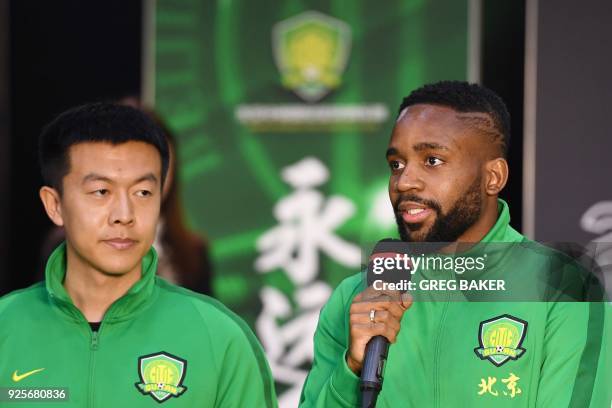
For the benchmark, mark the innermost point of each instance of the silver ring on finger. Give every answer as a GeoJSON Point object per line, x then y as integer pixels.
{"type": "Point", "coordinates": [372, 315]}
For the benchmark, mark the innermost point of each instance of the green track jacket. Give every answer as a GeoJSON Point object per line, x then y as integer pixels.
{"type": "Point", "coordinates": [452, 354]}
{"type": "Point", "coordinates": [157, 344]}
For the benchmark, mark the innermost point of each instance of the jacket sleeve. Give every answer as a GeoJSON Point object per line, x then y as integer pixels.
{"type": "Point", "coordinates": [245, 379]}
{"type": "Point", "coordinates": [330, 382]}
{"type": "Point", "coordinates": [573, 344]}
{"type": "Point", "coordinates": [602, 393]}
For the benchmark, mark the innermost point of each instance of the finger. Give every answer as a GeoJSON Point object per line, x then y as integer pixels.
{"type": "Point", "coordinates": [362, 333]}
{"type": "Point", "coordinates": [382, 316]}
{"type": "Point", "coordinates": [391, 334]}
{"type": "Point", "coordinates": [365, 307]}
{"type": "Point", "coordinates": [367, 330]}
{"type": "Point", "coordinates": [383, 298]}
{"type": "Point", "coordinates": [370, 293]}
{"type": "Point", "coordinates": [394, 307]}
{"type": "Point", "coordinates": [406, 300]}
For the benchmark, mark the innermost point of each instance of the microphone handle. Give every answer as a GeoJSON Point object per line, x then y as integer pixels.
{"type": "Point", "coordinates": [372, 371]}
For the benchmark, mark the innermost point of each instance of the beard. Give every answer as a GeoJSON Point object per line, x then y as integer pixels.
{"type": "Point", "coordinates": [447, 227]}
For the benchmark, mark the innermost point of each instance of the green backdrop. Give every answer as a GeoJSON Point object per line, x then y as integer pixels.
{"type": "Point", "coordinates": [282, 111]}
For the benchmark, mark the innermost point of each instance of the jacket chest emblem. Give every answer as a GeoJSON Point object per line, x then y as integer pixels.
{"type": "Point", "coordinates": [500, 339]}
{"type": "Point", "coordinates": [161, 376]}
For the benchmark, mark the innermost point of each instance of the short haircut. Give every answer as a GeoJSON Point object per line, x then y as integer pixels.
{"type": "Point", "coordinates": [95, 122]}
{"type": "Point", "coordinates": [464, 97]}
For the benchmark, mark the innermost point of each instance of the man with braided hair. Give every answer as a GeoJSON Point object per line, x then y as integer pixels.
{"type": "Point", "coordinates": [535, 345]}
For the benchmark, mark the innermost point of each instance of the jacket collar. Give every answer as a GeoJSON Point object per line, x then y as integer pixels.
{"type": "Point", "coordinates": [139, 296]}
{"type": "Point", "coordinates": [502, 231]}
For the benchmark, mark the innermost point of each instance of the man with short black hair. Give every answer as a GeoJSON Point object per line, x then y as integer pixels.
{"type": "Point", "coordinates": [104, 330]}
{"type": "Point", "coordinates": [538, 346]}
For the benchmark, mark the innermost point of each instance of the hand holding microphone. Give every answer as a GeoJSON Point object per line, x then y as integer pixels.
{"type": "Point", "coordinates": [375, 317]}
{"type": "Point", "coordinates": [374, 313]}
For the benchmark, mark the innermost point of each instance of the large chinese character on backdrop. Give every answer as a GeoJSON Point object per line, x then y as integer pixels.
{"type": "Point", "coordinates": [282, 111]}
{"type": "Point", "coordinates": [307, 225]}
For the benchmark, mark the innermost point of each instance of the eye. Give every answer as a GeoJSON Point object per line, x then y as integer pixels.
{"type": "Point", "coordinates": [144, 193]}
{"type": "Point", "coordinates": [433, 161]}
{"type": "Point", "coordinates": [396, 165]}
{"type": "Point", "coordinates": [100, 192]}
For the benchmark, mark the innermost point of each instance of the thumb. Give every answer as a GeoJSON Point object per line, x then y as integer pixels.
{"type": "Point", "coordinates": [406, 300]}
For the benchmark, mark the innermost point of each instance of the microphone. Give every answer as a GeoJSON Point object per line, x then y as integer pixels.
{"type": "Point", "coordinates": [372, 371]}
{"type": "Point", "coordinates": [377, 348]}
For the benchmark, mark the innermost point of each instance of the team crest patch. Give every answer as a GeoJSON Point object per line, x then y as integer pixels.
{"type": "Point", "coordinates": [311, 51]}
{"type": "Point", "coordinates": [501, 338]}
{"type": "Point", "coordinates": [161, 375]}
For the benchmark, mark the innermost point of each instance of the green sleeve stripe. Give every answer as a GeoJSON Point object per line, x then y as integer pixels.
{"type": "Point", "coordinates": [584, 387]}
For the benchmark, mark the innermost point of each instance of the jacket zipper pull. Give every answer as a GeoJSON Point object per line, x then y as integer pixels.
{"type": "Point", "coordinates": [94, 340]}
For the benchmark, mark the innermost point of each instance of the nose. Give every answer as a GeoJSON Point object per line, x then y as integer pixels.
{"type": "Point", "coordinates": [122, 211]}
{"type": "Point", "coordinates": [410, 179]}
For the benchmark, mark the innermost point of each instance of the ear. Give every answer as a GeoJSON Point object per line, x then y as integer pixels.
{"type": "Point", "coordinates": [51, 200]}
{"type": "Point", "coordinates": [496, 175]}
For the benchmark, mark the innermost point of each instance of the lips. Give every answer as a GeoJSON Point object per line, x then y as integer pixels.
{"type": "Point", "coordinates": [120, 243]}
{"type": "Point", "coordinates": [413, 213]}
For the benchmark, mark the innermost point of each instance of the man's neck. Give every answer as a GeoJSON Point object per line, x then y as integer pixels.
{"type": "Point", "coordinates": [92, 291]}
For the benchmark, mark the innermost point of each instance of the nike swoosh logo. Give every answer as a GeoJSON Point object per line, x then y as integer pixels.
{"type": "Point", "coordinates": [17, 377]}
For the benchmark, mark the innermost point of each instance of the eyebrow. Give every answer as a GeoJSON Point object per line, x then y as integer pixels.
{"type": "Point", "coordinates": [98, 177]}
{"type": "Point", "coordinates": [429, 146]}
{"type": "Point", "coordinates": [392, 151]}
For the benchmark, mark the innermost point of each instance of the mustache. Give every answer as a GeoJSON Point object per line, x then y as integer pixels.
{"type": "Point", "coordinates": [416, 199]}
